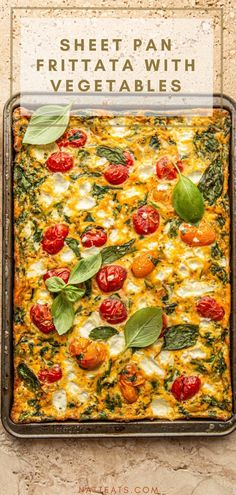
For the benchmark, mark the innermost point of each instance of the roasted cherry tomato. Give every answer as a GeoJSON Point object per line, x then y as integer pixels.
{"type": "Point", "coordinates": [59, 162]}
{"type": "Point", "coordinates": [129, 158]}
{"type": "Point", "coordinates": [185, 387]}
{"type": "Point", "coordinates": [210, 308]}
{"type": "Point", "coordinates": [50, 375]}
{"type": "Point", "coordinates": [89, 354]}
{"type": "Point", "coordinates": [197, 236]}
{"type": "Point", "coordinates": [164, 325]}
{"type": "Point", "coordinates": [165, 169]}
{"type": "Point", "coordinates": [74, 138]}
{"type": "Point", "coordinates": [129, 393]}
{"type": "Point", "coordinates": [41, 317]}
{"type": "Point", "coordinates": [130, 378]}
{"type": "Point", "coordinates": [116, 174]}
{"type": "Point", "coordinates": [146, 220]}
{"type": "Point", "coordinates": [144, 264]}
{"type": "Point", "coordinates": [111, 278]}
{"type": "Point", "coordinates": [63, 273]}
{"type": "Point", "coordinates": [113, 310]}
{"type": "Point", "coordinates": [53, 238]}
{"type": "Point", "coordinates": [95, 236]}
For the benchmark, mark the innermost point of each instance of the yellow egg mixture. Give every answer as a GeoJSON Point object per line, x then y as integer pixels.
{"type": "Point", "coordinates": [182, 275]}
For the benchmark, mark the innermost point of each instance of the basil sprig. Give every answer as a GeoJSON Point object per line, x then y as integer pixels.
{"type": "Point", "coordinates": [187, 200]}
{"type": "Point", "coordinates": [143, 327]}
{"type": "Point", "coordinates": [62, 309]}
{"type": "Point", "coordinates": [47, 124]}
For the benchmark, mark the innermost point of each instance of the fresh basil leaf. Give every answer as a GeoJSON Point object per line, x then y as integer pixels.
{"type": "Point", "coordinates": [143, 327]}
{"type": "Point", "coordinates": [187, 200]}
{"type": "Point", "coordinates": [62, 314]}
{"type": "Point", "coordinates": [55, 284]}
{"type": "Point", "coordinates": [113, 253]}
{"type": "Point", "coordinates": [180, 336]}
{"type": "Point", "coordinates": [47, 124]}
{"type": "Point", "coordinates": [113, 155]}
{"type": "Point", "coordinates": [73, 244]}
{"type": "Point", "coordinates": [28, 377]}
{"type": "Point", "coordinates": [73, 293]}
{"type": "Point", "coordinates": [102, 333]}
{"type": "Point", "coordinates": [85, 268]}
{"type": "Point", "coordinates": [211, 182]}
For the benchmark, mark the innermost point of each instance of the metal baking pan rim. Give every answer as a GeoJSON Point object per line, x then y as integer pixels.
{"type": "Point", "coordinates": [67, 429]}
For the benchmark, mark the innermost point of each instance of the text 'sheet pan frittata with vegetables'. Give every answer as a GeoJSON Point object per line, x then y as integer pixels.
{"type": "Point", "coordinates": [121, 290]}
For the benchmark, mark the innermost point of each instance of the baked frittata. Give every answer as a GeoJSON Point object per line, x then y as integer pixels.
{"type": "Point", "coordinates": [103, 192]}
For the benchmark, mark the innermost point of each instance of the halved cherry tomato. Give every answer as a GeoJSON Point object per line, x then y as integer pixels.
{"type": "Point", "coordinates": [130, 378]}
{"type": "Point", "coordinates": [41, 317]}
{"type": "Point", "coordinates": [164, 325]}
{"type": "Point", "coordinates": [144, 264]}
{"type": "Point", "coordinates": [95, 236]}
{"type": "Point", "coordinates": [59, 162]}
{"type": "Point", "coordinates": [113, 310]}
{"type": "Point", "coordinates": [129, 393]}
{"type": "Point", "coordinates": [185, 387]}
{"type": "Point", "coordinates": [53, 238]}
{"type": "Point", "coordinates": [165, 169]}
{"type": "Point", "coordinates": [111, 278]}
{"type": "Point", "coordinates": [197, 236]}
{"type": "Point", "coordinates": [63, 273]}
{"type": "Point", "coordinates": [50, 375]}
{"type": "Point", "coordinates": [89, 354]}
{"type": "Point", "coordinates": [129, 158]}
{"type": "Point", "coordinates": [146, 220]}
{"type": "Point", "coordinates": [116, 174]}
{"type": "Point", "coordinates": [74, 138]}
{"type": "Point", "coordinates": [210, 308]}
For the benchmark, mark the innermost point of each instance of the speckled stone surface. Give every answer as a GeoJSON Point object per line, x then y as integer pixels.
{"type": "Point", "coordinates": [119, 466]}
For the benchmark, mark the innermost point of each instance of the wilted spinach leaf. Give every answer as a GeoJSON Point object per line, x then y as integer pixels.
{"type": "Point", "coordinates": [28, 376]}
{"type": "Point", "coordinates": [180, 336]}
{"type": "Point", "coordinates": [113, 155]}
{"type": "Point", "coordinates": [211, 182]}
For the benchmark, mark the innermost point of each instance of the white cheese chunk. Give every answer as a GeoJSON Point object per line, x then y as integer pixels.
{"type": "Point", "coordinates": [36, 269]}
{"type": "Point", "coordinates": [42, 152]}
{"type": "Point", "coordinates": [162, 187]}
{"type": "Point", "coordinates": [146, 170]}
{"type": "Point", "coordinates": [161, 408]}
{"type": "Point", "coordinates": [196, 353]}
{"type": "Point", "coordinates": [84, 188]}
{"type": "Point", "coordinates": [119, 130]}
{"type": "Point", "coordinates": [116, 344]}
{"type": "Point", "coordinates": [59, 401]}
{"type": "Point", "coordinates": [150, 367]}
{"type": "Point", "coordinates": [67, 255]}
{"type": "Point", "coordinates": [46, 199]}
{"type": "Point", "coordinates": [133, 288]}
{"type": "Point", "coordinates": [86, 203]}
{"type": "Point", "coordinates": [60, 184]}
{"type": "Point", "coordinates": [164, 273]}
{"type": "Point", "coordinates": [166, 357]}
{"type": "Point", "coordinates": [114, 235]}
{"type": "Point", "coordinates": [192, 288]}
{"type": "Point", "coordinates": [108, 222]}
{"type": "Point", "coordinates": [100, 161]}
{"type": "Point", "coordinates": [93, 321]}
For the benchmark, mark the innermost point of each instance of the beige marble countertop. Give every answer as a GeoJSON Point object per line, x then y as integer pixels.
{"type": "Point", "coordinates": [120, 466]}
